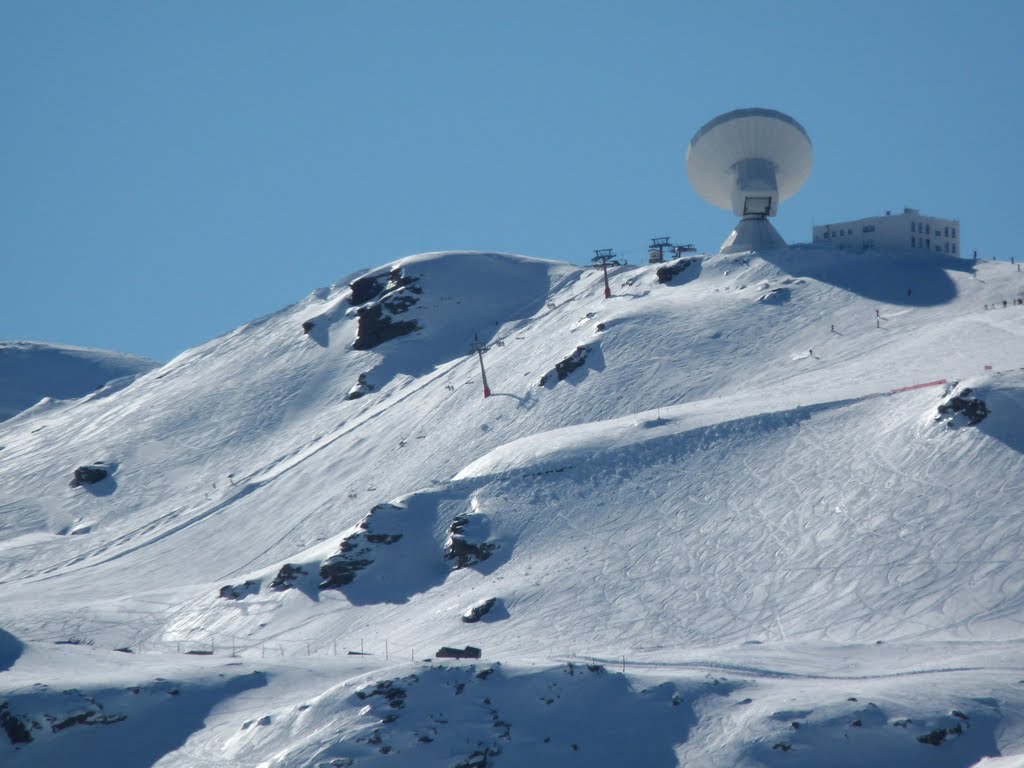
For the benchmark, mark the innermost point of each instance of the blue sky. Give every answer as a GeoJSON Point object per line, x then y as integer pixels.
{"type": "Point", "coordinates": [169, 171]}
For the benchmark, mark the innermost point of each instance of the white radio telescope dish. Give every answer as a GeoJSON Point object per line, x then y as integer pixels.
{"type": "Point", "coordinates": [748, 161]}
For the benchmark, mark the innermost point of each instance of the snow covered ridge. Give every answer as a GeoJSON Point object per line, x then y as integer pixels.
{"type": "Point", "coordinates": [763, 531]}
{"type": "Point", "coordinates": [30, 371]}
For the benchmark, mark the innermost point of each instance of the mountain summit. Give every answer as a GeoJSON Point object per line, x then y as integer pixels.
{"type": "Point", "coordinates": [752, 510]}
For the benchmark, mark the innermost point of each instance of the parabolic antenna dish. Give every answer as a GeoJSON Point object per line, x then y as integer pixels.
{"type": "Point", "coordinates": [748, 161]}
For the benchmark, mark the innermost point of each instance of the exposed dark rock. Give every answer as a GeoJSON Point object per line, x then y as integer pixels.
{"type": "Point", "coordinates": [469, 652]}
{"type": "Point", "coordinates": [375, 327]}
{"type": "Point", "coordinates": [460, 548]}
{"type": "Point", "coordinates": [934, 738]}
{"type": "Point", "coordinates": [369, 287]}
{"type": "Point", "coordinates": [669, 271]}
{"type": "Point", "coordinates": [857, 723]}
{"type": "Point", "coordinates": [478, 611]}
{"type": "Point", "coordinates": [366, 288]}
{"type": "Point", "coordinates": [14, 726]}
{"type": "Point", "coordinates": [360, 388]}
{"type": "Point", "coordinates": [238, 591]}
{"type": "Point", "coordinates": [561, 370]}
{"type": "Point", "coordinates": [383, 538]}
{"type": "Point", "coordinates": [89, 717]}
{"type": "Point", "coordinates": [389, 690]}
{"type": "Point", "coordinates": [378, 302]}
{"type": "Point", "coordinates": [89, 474]}
{"type": "Point", "coordinates": [307, 326]}
{"type": "Point", "coordinates": [959, 715]}
{"type": "Point", "coordinates": [288, 574]}
{"type": "Point", "coordinates": [972, 408]}
{"type": "Point", "coordinates": [353, 556]}
{"type": "Point", "coordinates": [902, 723]}
{"type": "Point", "coordinates": [782, 746]}
{"type": "Point", "coordinates": [478, 759]}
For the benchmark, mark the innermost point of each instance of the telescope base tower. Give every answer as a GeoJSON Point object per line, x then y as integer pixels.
{"type": "Point", "coordinates": [753, 233]}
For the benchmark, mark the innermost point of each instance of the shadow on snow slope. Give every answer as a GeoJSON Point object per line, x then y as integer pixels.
{"type": "Point", "coordinates": [1006, 406]}
{"type": "Point", "coordinates": [10, 649]}
{"type": "Point", "coordinates": [119, 727]}
{"type": "Point", "coordinates": [905, 278]}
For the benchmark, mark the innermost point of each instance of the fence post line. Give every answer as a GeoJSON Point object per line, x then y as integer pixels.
{"type": "Point", "coordinates": [308, 652]}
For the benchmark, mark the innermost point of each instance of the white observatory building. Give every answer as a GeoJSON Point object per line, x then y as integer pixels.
{"type": "Point", "coordinates": [749, 161]}
{"type": "Point", "coordinates": [910, 229]}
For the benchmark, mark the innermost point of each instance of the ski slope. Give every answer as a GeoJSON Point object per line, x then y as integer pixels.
{"type": "Point", "coordinates": [741, 492]}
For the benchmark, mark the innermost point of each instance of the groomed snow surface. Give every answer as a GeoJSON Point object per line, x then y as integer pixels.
{"type": "Point", "coordinates": [742, 515]}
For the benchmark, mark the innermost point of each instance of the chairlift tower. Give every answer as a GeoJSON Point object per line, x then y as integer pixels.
{"type": "Point", "coordinates": [602, 258]}
{"type": "Point", "coordinates": [656, 250]}
{"type": "Point", "coordinates": [479, 347]}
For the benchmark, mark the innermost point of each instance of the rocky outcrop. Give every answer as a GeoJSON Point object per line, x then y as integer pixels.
{"type": "Point", "coordinates": [239, 591]}
{"type": "Point", "coordinates": [379, 298]}
{"type": "Point", "coordinates": [355, 552]}
{"type": "Point", "coordinates": [286, 577]}
{"type": "Point", "coordinates": [668, 272]}
{"type": "Point", "coordinates": [466, 544]}
{"type": "Point", "coordinates": [561, 370]}
{"type": "Point", "coordinates": [16, 728]}
{"type": "Point", "coordinates": [962, 407]}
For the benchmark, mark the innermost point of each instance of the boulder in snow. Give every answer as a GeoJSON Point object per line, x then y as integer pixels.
{"type": "Point", "coordinates": [561, 370]}
{"type": "Point", "coordinates": [668, 272]}
{"type": "Point", "coordinates": [239, 591]}
{"type": "Point", "coordinates": [88, 474]}
{"type": "Point", "coordinates": [479, 610]}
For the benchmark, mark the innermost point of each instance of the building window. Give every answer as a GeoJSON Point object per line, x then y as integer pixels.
{"type": "Point", "coordinates": [913, 227]}
{"type": "Point", "coordinates": [954, 248]}
{"type": "Point", "coordinates": [913, 242]}
{"type": "Point", "coordinates": [945, 231]}
{"type": "Point", "coordinates": [927, 229]}
{"type": "Point", "coordinates": [928, 243]}
{"type": "Point", "coordinates": [954, 233]}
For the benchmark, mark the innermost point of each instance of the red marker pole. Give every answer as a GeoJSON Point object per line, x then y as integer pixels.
{"type": "Point", "coordinates": [483, 373]}
{"type": "Point", "coordinates": [601, 258]}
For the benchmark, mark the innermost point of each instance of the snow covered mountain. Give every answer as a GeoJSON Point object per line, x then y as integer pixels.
{"type": "Point", "coordinates": [31, 371]}
{"type": "Point", "coordinates": [752, 510]}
